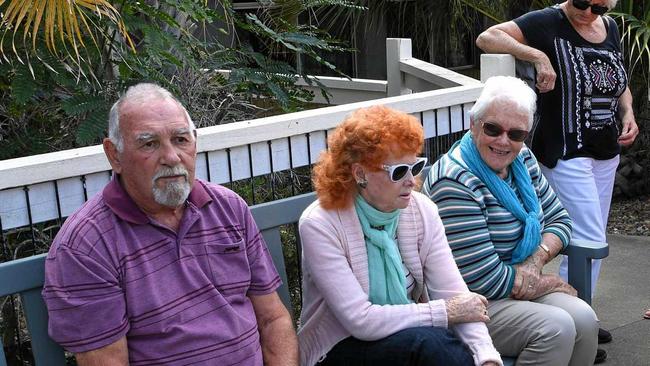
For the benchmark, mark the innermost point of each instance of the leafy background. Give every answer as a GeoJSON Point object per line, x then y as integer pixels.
{"type": "Point", "coordinates": [64, 62]}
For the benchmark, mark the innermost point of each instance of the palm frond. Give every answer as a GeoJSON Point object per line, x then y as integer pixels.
{"type": "Point", "coordinates": [66, 18]}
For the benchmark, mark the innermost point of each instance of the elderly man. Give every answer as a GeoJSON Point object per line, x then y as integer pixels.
{"type": "Point", "coordinates": [161, 268]}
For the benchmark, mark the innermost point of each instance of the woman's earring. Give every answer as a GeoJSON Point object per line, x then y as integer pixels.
{"type": "Point", "coordinates": [362, 183]}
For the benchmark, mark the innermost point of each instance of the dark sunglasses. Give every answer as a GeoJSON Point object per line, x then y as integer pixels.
{"type": "Point", "coordinates": [494, 130]}
{"type": "Point", "coordinates": [397, 172]}
{"type": "Point", "coordinates": [595, 9]}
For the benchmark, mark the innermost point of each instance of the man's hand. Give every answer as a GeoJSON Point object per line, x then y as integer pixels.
{"type": "Point", "coordinates": [278, 338]}
{"type": "Point", "coordinates": [115, 354]}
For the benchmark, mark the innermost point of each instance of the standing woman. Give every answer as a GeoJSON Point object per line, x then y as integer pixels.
{"type": "Point", "coordinates": [585, 106]}
{"type": "Point", "coordinates": [380, 286]}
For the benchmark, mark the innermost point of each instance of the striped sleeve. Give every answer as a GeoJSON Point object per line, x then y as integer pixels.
{"type": "Point", "coordinates": [85, 300]}
{"type": "Point", "coordinates": [556, 218]}
{"type": "Point", "coordinates": [469, 238]}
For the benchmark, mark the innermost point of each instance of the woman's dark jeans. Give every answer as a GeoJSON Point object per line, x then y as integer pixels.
{"type": "Point", "coordinates": [410, 347]}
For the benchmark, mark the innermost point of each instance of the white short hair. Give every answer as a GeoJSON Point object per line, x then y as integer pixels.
{"type": "Point", "coordinates": [505, 89]}
{"type": "Point", "coordinates": [139, 93]}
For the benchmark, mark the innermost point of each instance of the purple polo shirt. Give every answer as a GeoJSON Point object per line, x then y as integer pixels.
{"type": "Point", "coordinates": [179, 297]}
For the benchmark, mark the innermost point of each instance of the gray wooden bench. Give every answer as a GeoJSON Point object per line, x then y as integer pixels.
{"type": "Point", "coordinates": [25, 276]}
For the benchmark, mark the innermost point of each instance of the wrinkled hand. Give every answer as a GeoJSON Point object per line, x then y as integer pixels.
{"type": "Point", "coordinates": [527, 277]}
{"type": "Point", "coordinates": [466, 308]}
{"type": "Point", "coordinates": [561, 286]}
{"type": "Point", "coordinates": [547, 284]}
{"type": "Point", "coordinates": [545, 73]}
{"type": "Point", "coordinates": [629, 132]}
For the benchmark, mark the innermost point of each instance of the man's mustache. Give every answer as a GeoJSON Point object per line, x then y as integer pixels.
{"type": "Point", "coordinates": [170, 172]}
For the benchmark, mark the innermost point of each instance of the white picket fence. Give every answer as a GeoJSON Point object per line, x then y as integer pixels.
{"type": "Point", "coordinates": [46, 187]}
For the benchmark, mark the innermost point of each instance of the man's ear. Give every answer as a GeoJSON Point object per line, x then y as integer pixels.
{"type": "Point", "coordinates": [196, 141]}
{"type": "Point", "coordinates": [112, 154]}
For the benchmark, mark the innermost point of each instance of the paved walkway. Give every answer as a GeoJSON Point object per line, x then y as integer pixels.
{"type": "Point", "coordinates": [622, 295]}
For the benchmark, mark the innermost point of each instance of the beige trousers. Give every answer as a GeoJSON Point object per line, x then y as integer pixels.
{"type": "Point", "coordinates": [554, 330]}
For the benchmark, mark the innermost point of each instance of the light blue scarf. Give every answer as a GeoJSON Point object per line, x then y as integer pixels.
{"type": "Point", "coordinates": [528, 214]}
{"type": "Point", "coordinates": [385, 272]}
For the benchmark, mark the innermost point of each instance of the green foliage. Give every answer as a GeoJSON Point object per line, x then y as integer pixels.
{"type": "Point", "coordinates": [22, 85]}
{"type": "Point", "coordinates": [636, 39]}
{"type": "Point", "coordinates": [94, 125]}
{"type": "Point", "coordinates": [56, 98]}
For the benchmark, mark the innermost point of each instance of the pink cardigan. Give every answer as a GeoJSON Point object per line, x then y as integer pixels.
{"type": "Point", "coordinates": [335, 281]}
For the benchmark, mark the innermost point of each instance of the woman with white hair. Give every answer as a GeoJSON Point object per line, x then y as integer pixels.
{"type": "Point", "coordinates": [585, 107]}
{"type": "Point", "coordinates": [504, 223]}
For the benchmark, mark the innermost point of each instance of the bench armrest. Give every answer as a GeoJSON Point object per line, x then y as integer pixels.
{"type": "Point", "coordinates": [580, 253]}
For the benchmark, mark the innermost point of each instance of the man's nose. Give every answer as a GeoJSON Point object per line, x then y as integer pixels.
{"type": "Point", "coordinates": [169, 154]}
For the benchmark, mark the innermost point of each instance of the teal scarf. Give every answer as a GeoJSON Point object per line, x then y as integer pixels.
{"type": "Point", "coordinates": [385, 272]}
{"type": "Point", "coordinates": [528, 214]}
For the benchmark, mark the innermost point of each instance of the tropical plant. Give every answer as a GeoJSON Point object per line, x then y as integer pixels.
{"type": "Point", "coordinates": [426, 22]}
{"type": "Point", "coordinates": [68, 59]}
{"type": "Point", "coordinates": [442, 32]}
{"type": "Point", "coordinates": [58, 24]}
{"type": "Point", "coordinates": [634, 19]}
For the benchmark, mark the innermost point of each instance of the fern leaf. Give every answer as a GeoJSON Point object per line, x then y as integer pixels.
{"type": "Point", "coordinates": [79, 104]}
{"type": "Point", "coordinates": [93, 128]}
{"type": "Point", "coordinates": [23, 85]}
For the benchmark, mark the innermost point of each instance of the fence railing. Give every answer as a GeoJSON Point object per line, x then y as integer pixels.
{"type": "Point", "coordinates": [44, 187]}
{"type": "Point", "coordinates": [261, 152]}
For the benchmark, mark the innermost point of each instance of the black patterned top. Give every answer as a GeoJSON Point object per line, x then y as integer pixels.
{"type": "Point", "coordinates": [579, 118]}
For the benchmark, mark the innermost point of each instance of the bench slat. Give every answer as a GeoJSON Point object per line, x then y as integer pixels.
{"type": "Point", "coordinates": [46, 352]}
{"type": "Point", "coordinates": [22, 274]}
{"type": "Point", "coordinates": [3, 358]}
{"type": "Point", "coordinates": [274, 243]}
{"type": "Point", "coordinates": [281, 212]}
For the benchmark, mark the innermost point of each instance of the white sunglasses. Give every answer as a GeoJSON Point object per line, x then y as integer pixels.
{"type": "Point", "coordinates": [397, 172]}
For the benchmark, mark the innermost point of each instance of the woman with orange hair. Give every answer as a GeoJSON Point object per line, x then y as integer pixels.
{"type": "Point", "coordinates": [380, 286]}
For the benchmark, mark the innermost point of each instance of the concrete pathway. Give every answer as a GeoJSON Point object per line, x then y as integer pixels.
{"type": "Point", "coordinates": [623, 293]}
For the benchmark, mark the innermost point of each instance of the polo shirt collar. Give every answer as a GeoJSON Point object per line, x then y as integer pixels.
{"type": "Point", "coordinates": [125, 208]}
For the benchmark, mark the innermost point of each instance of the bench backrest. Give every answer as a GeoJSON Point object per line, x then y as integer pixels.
{"type": "Point", "coordinates": [270, 217]}
{"type": "Point", "coordinates": [25, 276]}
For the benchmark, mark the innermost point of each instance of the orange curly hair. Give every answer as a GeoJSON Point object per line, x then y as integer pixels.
{"type": "Point", "coordinates": [367, 136]}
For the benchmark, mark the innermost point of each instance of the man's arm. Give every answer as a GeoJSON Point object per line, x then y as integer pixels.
{"type": "Point", "coordinates": [115, 354]}
{"type": "Point", "coordinates": [278, 338]}
{"type": "Point", "coordinates": [508, 38]}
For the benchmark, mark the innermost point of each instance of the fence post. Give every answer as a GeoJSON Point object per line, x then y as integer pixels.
{"type": "Point", "coordinates": [396, 49]}
{"type": "Point", "coordinates": [496, 64]}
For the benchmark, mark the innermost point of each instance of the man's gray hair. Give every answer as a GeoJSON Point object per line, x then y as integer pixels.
{"type": "Point", "coordinates": [505, 89]}
{"type": "Point", "coordinates": [611, 4]}
{"type": "Point", "coordinates": [139, 93]}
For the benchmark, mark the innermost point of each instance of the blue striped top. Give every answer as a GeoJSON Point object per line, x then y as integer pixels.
{"type": "Point", "coordinates": [482, 234]}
